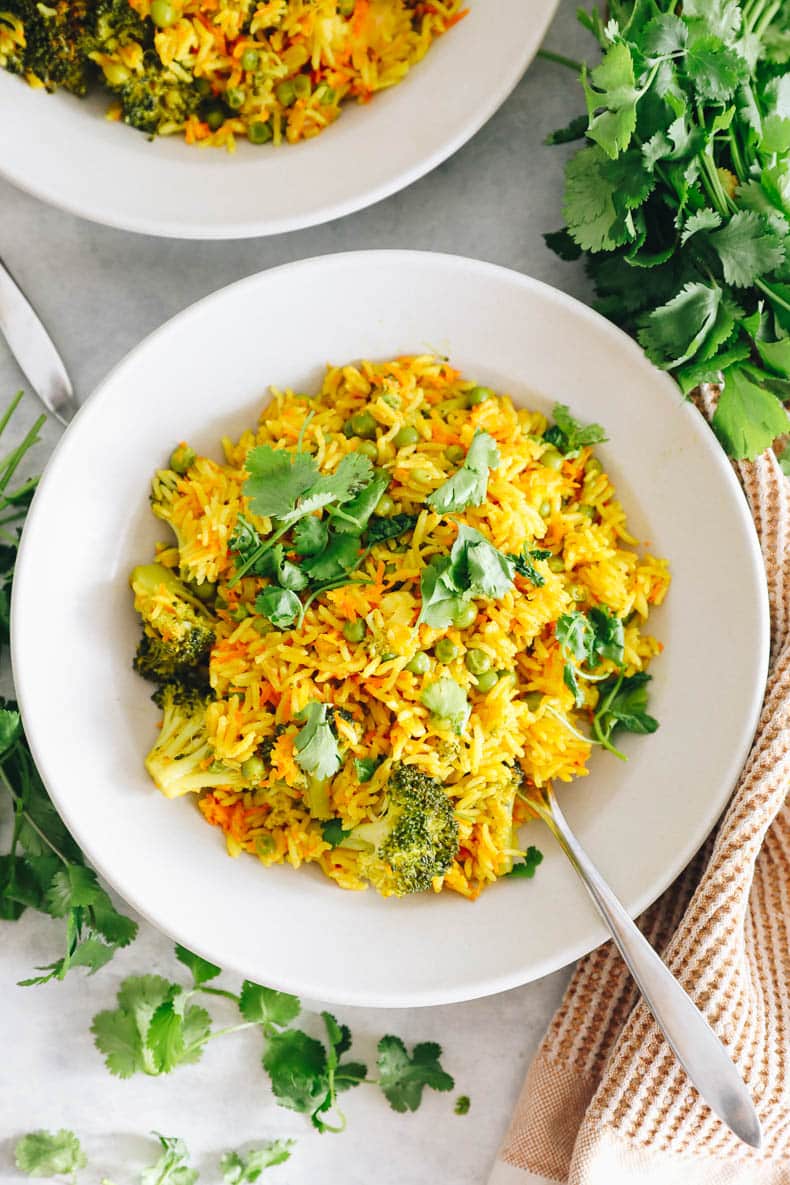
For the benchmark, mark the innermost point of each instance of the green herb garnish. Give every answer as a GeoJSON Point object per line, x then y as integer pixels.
{"type": "Point", "coordinates": [468, 486]}
{"type": "Point", "coordinates": [525, 869]}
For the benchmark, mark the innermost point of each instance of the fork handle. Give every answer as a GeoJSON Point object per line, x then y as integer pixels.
{"type": "Point", "coordinates": [692, 1040]}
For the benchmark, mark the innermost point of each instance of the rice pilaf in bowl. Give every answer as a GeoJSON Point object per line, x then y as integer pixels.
{"type": "Point", "coordinates": [396, 602]}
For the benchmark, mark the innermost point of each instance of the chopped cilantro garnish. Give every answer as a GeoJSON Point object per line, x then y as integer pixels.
{"type": "Point", "coordinates": [525, 869]}
{"type": "Point", "coordinates": [445, 700]}
{"type": "Point", "coordinates": [474, 568]}
{"type": "Point", "coordinates": [315, 747]}
{"type": "Point", "coordinates": [569, 435]}
{"type": "Point", "coordinates": [468, 486]}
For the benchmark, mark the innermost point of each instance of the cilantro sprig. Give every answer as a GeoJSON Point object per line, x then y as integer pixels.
{"type": "Point", "coordinates": [474, 568]}
{"type": "Point", "coordinates": [157, 1026]}
{"type": "Point", "coordinates": [587, 638]}
{"type": "Point", "coordinates": [48, 1154]}
{"type": "Point", "coordinates": [680, 199]}
{"type": "Point", "coordinates": [469, 484]}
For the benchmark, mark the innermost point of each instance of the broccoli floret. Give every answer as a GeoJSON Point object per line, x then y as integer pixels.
{"type": "Point", "coordinates": [178, 630]}
{"type": "Point", "coordinates": [182, 760]}
{"type": "Point", "coordinates": [113, 23]}
{"type": "Point", "coordinates": [54, 39]}
{"type": "Point", "coordinates": [155, 102]}
{"type": "Point", "coordinates": [414, 840]}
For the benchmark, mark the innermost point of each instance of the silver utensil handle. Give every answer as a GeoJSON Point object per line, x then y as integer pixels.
{"type": "Point", "coordinates": [34, 349]}
{"type": "Point", "coordinates": [695, 1045]}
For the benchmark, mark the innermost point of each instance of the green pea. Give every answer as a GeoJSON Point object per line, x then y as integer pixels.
{"type": "Point", "coordinates": [285, 92]}
{"type": "Point", "coordinates": [544, 510]}
{"type": "Point", "coordinates": [392, 399]}
{"type": "Point", "coordinates": [465, 615]}
{"type": "Point", "coordinates": [250, 59]}
{"type": "Point", "coordinates": [556, 563]}
{"type": "Point", "coordinates": [239, 613]}
{"type": "Point", "coordinates": [388, 656]}
{"type": "Point", "coordinates": [253, 769]}
{"type": "Point", "coordinates": [325, 94]}
{"type": "Point", "coordinates": [203, 87]}
{"type": "Point", "coordinates": [552, 459]}
{"type": "Point", "coordinates": [487, 681]}
{"type": "Point", "coordinates": [385, 506]}
{"type": "Point", "coordinates": [214, 117]}
{"type": "Point", "coordinates": [302, 87]}
{"type": "Point", "coordinates": [369, 449]}
{"type": "Point", "coordinates": [420, 664]}
{"type": "Point", "coordinates": [455, 453]}
{"type": "Point", "coordinates": [533, 700]}
{"type": "Point", "coordinates": [182, 458]}
{"type": "Point", "coordinates": [422, 476]}
{"type": "Point", "coordinates": [163, 14]}
{"type": "Point", "coordinates": [265, 845]}
{"type": "Point", "coordinates": [259, 132]}
{"type": "Point", "coordinates": [354, 631]}
{"type": "Point", "coordinates": [262, 626]}
{"type": "Point", "coordinates": [363, 424]}
{"type": "Point", "coordinates": [478, 395]}
{"type": "Point", "coordinates": [593, 467]}
{"type": "Point", "coordinates": [477, 661]}
{"type": "Point", "coordinates": [235, 96]}
{"type": "Point", "coordinates": [406, 436]}
{"type": "Point", "coordinates": [586, 511]}
{"type": "Point", "coordinates": [445, 650]}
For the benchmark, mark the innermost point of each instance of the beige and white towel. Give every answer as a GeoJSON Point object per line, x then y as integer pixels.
{"type": "Point", "coordinates": [605, 1102]}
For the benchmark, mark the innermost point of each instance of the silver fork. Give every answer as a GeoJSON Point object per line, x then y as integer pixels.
{"type": "Point", "coordinates": [34, 349]}
{"type": "Point", "coordinates": [692, 1040]}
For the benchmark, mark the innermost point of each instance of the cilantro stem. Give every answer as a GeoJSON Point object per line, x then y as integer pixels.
{"type": "Point", "coordinates": [11, 462]}
{"type": "Point", "coordinates": [303, 429]}
{"type": "Point", "coordinates": [212, 991]}
{"type": "Point", "coordinates": [247, 1024]}
{"type": "Point", "coordinates": [566, 722]}
{"type": "Point", "coordinates": [256, 555]}
{"type": "Point", "coordinates": [774, 296]}
{"type": "Point", "coordinates": [570, 63]}
{"type": "Point", "coordinates": [767, 17]}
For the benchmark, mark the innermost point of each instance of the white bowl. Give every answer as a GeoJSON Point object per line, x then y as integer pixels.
{"type": "Point", "coordinates": [63, 150]}
{"type": "Point", "coordinates": [90, 720]}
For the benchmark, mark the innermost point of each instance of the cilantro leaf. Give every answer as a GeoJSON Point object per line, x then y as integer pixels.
{"type": "Point", "coordinates": [353, 472]}
{"type": "Point", "coordinates": [280, 606]}
{"type": "Point", "coordinates": [575, 130]}
{"type": "Point", "coordinates": [611, 95]}
{"type": "Point", "coordinates": [596, 220]}
{"type": "Point", "coordinates": [462, 1105]}
{"type": "Point", "coordinates": [202, 970]}
{"type": "Point", "coordinates": [265, 1006]}
{"type": "Point", "coordinates": [488, 573]}
{"type": "Point", "coordinates": [10, 729]}
{"type": "Point", "coordinates": [441, 598]}
{"type": "Point", "coordinates": [339, 557]}
{"type": "Point", "coordinates": [704, 219]}
{"type": "Point", "coordinates": [45, 1154]}
{"type": "Point", "coordinates": [332, 832]}
{"type": "Point", "coordinates": [379, 529]}
{"type": "Point", "coordinates": [277, 478]}
{"type": "Point", "coordinates": [664, 34]}
{"type": "Point", "coordinates": [173, 1167]}
{"type": "Point", "coordinates": [244, 1168]}
{"type": "Point", "coordinates": [353, 517]}
{"type": "Point", "coordinates": [402, 1077]}
{"type": "Point", "coordinates": [71, 887]}
{"type": "Point", "coordinates": [296, 1065]}
{"type": "Point", "coordinates": [748, 418]}
{"type": "Point", "coordinates": [315, 747]}
{"type": "Point", "coordinates": [524, 566]}
{"type": "Point", "coordinates": [608, 639]}
{"type": "Point", "coordinates": [622, 703]}
{"type": "Point", "coordinates": [784, 461]}
{"type": "Point", "coordinates": [569, 435]}
{"type": "Point", "coordinates": [775, 355]}
{"type": "Point", "coordinates": [673, 333]}
{"type": "Point", "coordinates": [525, 869]}
{"type": "Point", "coordinates": [366, 767]}
{"type": "Point", "coordinates": [468, 486]}
{"type": "Point", "coordinates": [572, 632]}
{"type": "Point", "coordinates": [153, 1029]}
{"type": "Point", "coordinates": [715, 70]}
{"type": "Point", "coordinates": [445, 700]}
{"type": "Point", "coordinates": [747, 248]}
{"type": "Point", "coordinates": [310, 536]}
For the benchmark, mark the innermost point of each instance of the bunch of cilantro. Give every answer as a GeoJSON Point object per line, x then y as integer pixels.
{"type": "Point", "coordinates": [42, 867]}
{"type": "Point", "coordinates": [680, 198]}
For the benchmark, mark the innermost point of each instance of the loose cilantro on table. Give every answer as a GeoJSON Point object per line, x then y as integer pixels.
{"type": "Point", "coordinates": [525, 869]}
{"type": "Point", "coordinates": [172, 1167]}
{"type": "Point", "coordinates": [468, 486]}
{"type": "Point", "coordinates": [48, 1154]}
{"type": "Point", "coordinates": [680, 199]}
{"type": "Point", "coordinates": [157, 1027]}
{"type": "Point", "coordinates": [239, 1168]}
{"type": "Point", "coordinates": [462, 1104]}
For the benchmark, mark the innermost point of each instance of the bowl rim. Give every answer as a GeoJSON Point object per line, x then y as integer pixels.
{"type": "Point", "coordinates": [142, 223]}
{"type": "Point", "coordinates": [562, 954]}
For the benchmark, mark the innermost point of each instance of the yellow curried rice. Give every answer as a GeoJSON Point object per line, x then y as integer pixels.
{"type": "Point", "coordinates": [526, 726]}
